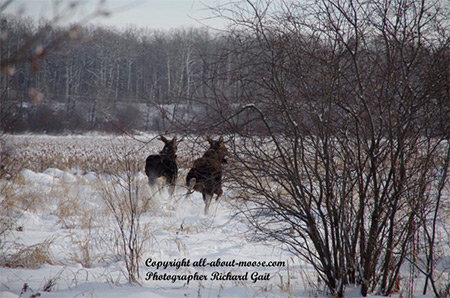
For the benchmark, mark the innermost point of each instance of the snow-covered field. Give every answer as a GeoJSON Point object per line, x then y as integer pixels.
{"type": "Point", "coordinates": [64, 241]}
{"type": "Point", "coordinates": [59, 238]}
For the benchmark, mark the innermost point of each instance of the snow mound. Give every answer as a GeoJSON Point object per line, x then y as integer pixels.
{"type": "Point", "coordinates": [37, 178]}
{"type": "Point", "coordinates": [8, 295]}
{"type": "Point", "coordinates": [64, 176]}
{"type": "Point", "coordinates": [91, 176]}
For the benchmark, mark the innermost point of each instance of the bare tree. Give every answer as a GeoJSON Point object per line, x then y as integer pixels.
{"type": "Point", "coordinates": [338, 111]}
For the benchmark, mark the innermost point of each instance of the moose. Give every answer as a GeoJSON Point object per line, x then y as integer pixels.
{"type": "Point", "coordinates": [206, 173]}
{"type": "Point", "coordinates": [163, 164]}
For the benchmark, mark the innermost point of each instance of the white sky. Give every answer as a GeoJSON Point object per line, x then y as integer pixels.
{"type": "Point", "coordinates": [154, 14]}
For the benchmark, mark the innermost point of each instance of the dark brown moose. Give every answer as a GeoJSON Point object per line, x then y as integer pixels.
{"type": "Point", "coordinates": [206, 173]}
{"type": "Point", "coordinates": [163, 164]}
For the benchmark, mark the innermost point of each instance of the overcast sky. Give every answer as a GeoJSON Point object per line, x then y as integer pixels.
{"type": "Point", "coordinates": [155, 14]}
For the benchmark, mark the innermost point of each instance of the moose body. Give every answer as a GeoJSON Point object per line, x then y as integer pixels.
{"type": "Point", "coordinates": [206, 173]}
{"type": "Point", "coordinates": [163, 164]}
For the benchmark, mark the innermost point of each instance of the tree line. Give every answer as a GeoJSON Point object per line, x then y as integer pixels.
{"type": "Point", "coordinates": [90, 75]}
{"type": "Point", "coordinates": [88, 78]}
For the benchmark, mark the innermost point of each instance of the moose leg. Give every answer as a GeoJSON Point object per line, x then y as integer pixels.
{"type": "Point", "coordinates": [171, 187]}
{"type": "Point", "coordinates": [207, 199]}
{"type": "Point", "coordinates": [191, 183]}
{"type": "Point", "coordinates": [154, 184]}
{"type": "Point", "coordinates": [219, 192]}
{"type": "Point", "coordinates": [171, 175]}
{"type": "Point", "coordinates": [151, 180]}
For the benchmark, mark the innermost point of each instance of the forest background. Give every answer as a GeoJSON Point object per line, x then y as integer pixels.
{"type": "Point", "coordinates": [100, 78]}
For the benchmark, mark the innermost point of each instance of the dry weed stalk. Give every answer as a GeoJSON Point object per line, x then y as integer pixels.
{"type": "Point", "coordinates": [126, 199]}
{"type": "Point", "coordinates": [32, 256]}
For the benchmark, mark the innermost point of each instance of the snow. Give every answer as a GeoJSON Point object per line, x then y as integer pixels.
{"type": "Point", "coordinates": [37, 178]}
{"type": "Point", "coordinates": [91, 176]}
{"type": "Point", "coordinates": [70, 217]}
{"type": "Point", "coordinates": [58, 174]}
{"type": "Point", "coordinates": [8, 295]}
{"type": "Point", "coordinates": [180, 231]}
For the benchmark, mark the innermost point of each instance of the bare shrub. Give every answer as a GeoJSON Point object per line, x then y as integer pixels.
{"type": "Point", "coordinates": [45, 119]}
{"type": "Point", "coordinates": [129, 118]}
{"type": "Point", "coordinates": [337, 110]}
{"type": "Point", "coordinates": [126, 199]}
{"type": "Point", "coordinates": [75, 121]}
{"type": "Point", "coordinates": [49, 285]}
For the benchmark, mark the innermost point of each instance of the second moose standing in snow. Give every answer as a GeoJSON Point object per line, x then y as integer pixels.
{"type": "Point", "coordinates": [206, 173]}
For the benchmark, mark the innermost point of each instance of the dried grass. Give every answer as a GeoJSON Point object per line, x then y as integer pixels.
{"type": "Point", "coordinates": [83, 253]}
{"type": "Point", "coordinates": [16, 199]}
{"type": "Point", "coordinates": [112, 159]}
{"type": "Point", "coordinates": [32, 256]}
{"type": "Point", "coordinates": [89, 154]}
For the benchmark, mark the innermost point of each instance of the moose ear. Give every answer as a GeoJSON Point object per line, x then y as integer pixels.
{"type": "Point", "coordinates": [162, 138]}
{"type": "Point", "coordinates": [210, 141]}
{"type": "Point", "coordinates": [221, 139]}
{"type": "Point", "coordinates": [174, 140]}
